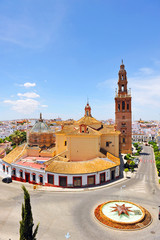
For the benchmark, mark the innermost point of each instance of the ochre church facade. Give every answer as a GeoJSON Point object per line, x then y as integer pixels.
{"type": "Point", "coordinates": [83, 154]}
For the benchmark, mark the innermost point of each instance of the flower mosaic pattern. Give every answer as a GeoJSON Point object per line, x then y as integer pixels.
{"type": "Point", "coordinates": [121, 209]}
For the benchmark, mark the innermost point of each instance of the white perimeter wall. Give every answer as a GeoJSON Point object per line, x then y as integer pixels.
{"type": "Point", "coordinates": [56, 176]}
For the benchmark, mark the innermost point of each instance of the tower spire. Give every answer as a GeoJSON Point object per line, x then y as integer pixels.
{"type": "Point", "coordinates": [40, 119]}
{"type": "Point", "coordinates": [123, 112]}
{"type": "Point", "coordinates": [122, 81]}
{"type": "Point", "coordinates": [87, 110]}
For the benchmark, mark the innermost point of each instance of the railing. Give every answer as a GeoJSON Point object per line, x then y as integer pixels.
{"type": "Point", "coordinates": [123, 95]}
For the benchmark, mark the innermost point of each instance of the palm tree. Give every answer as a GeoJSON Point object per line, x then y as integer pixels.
{"type": "Point", "coordinates": [17, 137]}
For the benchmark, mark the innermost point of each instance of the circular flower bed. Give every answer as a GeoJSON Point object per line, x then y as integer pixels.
{"type": "Point", "coordinates": [120, 210]}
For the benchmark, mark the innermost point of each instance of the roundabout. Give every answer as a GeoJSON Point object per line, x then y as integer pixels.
{"type": "Point", "coordinates": [60, 211]}
{"type": "Point", "coordinates": [123, 215]}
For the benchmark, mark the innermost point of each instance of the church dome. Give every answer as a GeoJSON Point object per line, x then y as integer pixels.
{"type": "Point", "coordinates": [41, 134]}
{"type": "Point", "coordinates": [40, 127]}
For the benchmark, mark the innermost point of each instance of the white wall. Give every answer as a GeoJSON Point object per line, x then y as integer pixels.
{"type": "Point", "coordinates": [84, 177]}
{"type": "Point", "coordinates": [56, 176]}
{"type": "Point", "coordinates": [31, 171]}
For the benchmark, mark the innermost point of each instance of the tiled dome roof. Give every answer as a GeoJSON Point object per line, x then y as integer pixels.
{"type": "Point", "coordinates": [40, 127]}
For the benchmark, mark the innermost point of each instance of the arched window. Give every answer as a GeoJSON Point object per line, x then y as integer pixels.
{"type": "Point", "coordinates": [40, 179]}
{"type": "Point", "coordinates": [3, 167]}
{"type": "Point", "coordinates": [21, 173]}
{"type": "Point", "coordinates": [122, 88]}
{"type": "Point", "coordinates": [33, 177]}
{"type": "Point", "coordinates": [123, 124]}
{"type": "Point", "coordinates": [14, 172]}
{"type": "Point", "coordinates": [123, 105]}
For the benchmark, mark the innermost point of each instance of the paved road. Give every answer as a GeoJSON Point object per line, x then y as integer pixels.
{"type": "Point", "coordinates": [62, 212]}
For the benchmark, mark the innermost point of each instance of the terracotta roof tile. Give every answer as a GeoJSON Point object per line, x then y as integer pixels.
{"type": "Point", "coordinates": [87, 120]}
{"type": "Point", "coordinates": [15, 154]}
{"type": "Point", "coordinates": [81, 167]}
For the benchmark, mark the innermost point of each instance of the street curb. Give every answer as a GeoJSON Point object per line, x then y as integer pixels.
{"type": "Point", "coordinates": [57, 189]}
{"type": "Point", "coordinates": [82, 189]}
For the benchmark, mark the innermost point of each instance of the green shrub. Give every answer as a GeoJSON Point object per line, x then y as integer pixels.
{"type": "Point", "coordinates": [128, 156]}
{"type": "Point", "coordinates": [132, 163]}
{"type": "Point", "coordinates": [158, 165]}
{"type": "Point", "coordinates": [135, 145]}
{"type": "Point", "coordinates": [136, 154]}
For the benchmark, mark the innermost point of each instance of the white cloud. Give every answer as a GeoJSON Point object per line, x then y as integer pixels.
{"type": "Point", "coordinates": [146, 71]}
{"type": "Point", "coordinates": [145, 86]}
{"type": "Point", "coordinates": [44, 106]}
{"type": "Point", "coordinates": [28, 84]}
{"type": "Point", "coordinates": [26, 106]}
{"type": "Point", "coordinates": [146, 90]}
{"type": "Point", "coordinates": [145, 96]}
{"type": "Point", "coordinates": [28, 95]}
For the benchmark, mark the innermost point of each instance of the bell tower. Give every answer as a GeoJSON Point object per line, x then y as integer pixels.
{"type": "Point", "coordinates": [123, 112]}
{"type": "Point", "coordinates": [88, 110]}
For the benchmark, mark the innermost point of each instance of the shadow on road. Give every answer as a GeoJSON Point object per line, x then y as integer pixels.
{"type": "Point", "coordinates": [144, 154]}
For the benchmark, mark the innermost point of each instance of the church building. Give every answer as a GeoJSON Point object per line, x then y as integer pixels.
{"type": "Point", "coordinates": [83, 154]}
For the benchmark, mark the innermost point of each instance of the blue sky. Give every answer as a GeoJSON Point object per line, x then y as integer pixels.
{"type": "Point", "coordinates": [54, 54]}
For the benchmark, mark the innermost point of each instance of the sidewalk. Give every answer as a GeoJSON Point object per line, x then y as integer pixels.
{"type": "Point", "coordinates": [59, 189]}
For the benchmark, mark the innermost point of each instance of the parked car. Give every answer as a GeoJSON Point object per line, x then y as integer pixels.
{"type": "Point", "coordinates": [7, 180]}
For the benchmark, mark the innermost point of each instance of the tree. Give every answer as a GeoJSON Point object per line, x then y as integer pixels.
{"type": "Point", "coordinates": [24, 136]}
{"type": "Point", "coordinates": [132, 165]}
{"type": "Point", "coordinates": [158, 165]}
{"type": "Point", "coordinates": [126, 171]}
{"type": "Point", "coordinates": [7, 139]}
{"type": "Point", "coordinates": [8, 150]}
{"type": "Point", "coordinates": [128, 156]}
{"type": "Point", "coordinates": [135, 145]}
{"type": "Point", "coordinates": [26, 224]}
{"type": "Point", "coordinates": [18, 137]}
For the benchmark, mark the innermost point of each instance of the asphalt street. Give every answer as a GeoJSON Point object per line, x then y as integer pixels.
{"type": "Point", "coordinates": [73, 212]}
